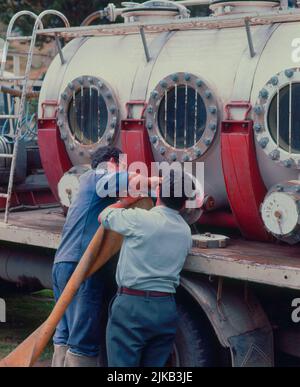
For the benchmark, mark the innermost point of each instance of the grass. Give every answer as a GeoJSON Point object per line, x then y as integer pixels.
{"type": "Point", "coordinates": [24, 313]}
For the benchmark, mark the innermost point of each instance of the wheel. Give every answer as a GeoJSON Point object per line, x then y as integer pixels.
{"type": "Point", "coordinates": [195, 344]}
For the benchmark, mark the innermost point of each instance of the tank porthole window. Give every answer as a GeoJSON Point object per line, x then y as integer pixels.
{"type": "Point", "coordinates": [87, 115]}
{"type": "Point", "coordinates": [277, 118]}
{"type": "Point", "coordinates": [182, 116]}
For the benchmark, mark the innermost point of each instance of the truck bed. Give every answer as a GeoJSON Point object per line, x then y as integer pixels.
{"type": "Point", "coordinates": [272, 264]}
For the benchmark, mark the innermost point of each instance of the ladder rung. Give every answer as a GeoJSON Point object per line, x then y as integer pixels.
{"type": "Point", "coordinates": [11, 79]}
{"type": "Point", "coordinates": [3, 196]}
{"type": "Point", "coordinates": [8, 116]}
{"type": "Point", "coordinates": [19, 38]}
{"type": "Point", "coordinates": [6, 156]}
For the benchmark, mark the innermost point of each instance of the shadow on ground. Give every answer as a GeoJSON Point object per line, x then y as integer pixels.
{"type": "Point", "coordinates": [25, 311]}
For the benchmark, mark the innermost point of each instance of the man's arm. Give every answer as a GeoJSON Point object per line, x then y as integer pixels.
{"type": "Point", "coordinates": [122, 184]}
{"type": "Point", "coordinates": [121, 220]}
{"type": "Point", "coordinates": [113, 185]}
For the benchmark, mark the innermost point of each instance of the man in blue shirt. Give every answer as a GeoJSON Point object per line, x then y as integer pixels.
{"type": "Point", "coordinates": [77, 338]}
{"type": "Point", "coordinates": [143, 317]}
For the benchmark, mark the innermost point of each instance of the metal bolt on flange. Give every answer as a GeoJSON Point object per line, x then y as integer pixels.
{"type": "Point", "coordinates": [207, 141]}
{"type": "Point", "coordinates": [257, 128]}
{"type": "Point", "coordinates": [175, 77]}
{"type": "Point", "coordinates": [258, 110]}
{"type": "Point", "coordinates": [289, 73]}
{"type": "Point", "coordinates": [213, 126]}
{"type": "Point", "coordinates": [274, 81]}
{"type": "Point", "coordinates": [173, 156]}
{"type": "Point", "coordinates": [288, 163]}
{"type": "Point", "coordinates": [212, 109]}
{"type": "Point", "coordinates": [264, 142]}
{"type": "Point", "coordinates": [198, 152]}
{"type": "Point", "coordinates": [150, 125]}
{"type": "Point", "coordinates": [208, 94]}
{"type": "Point", "coordinates": [187, 77]}
{"type": "Point", "coordinates": [199, 83]}
{"type": "Point", "coordinates": [164, 84]}
{"type": "Point", "coordinates": [264, 94]}
{"type": "Point", "coordinates": [153, 139]}
{"type": "Point", "coordinates": [154, 94]}
{"type": "Point", "coordinates": [275, 155]}
{"type": "Point", "coordinates": [162, 150]}
{"type": "Point", "coordinates": [279, 188]}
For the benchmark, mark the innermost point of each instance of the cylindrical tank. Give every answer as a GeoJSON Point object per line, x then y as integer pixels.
{"type": "Point", "coordinates": [186, 76]}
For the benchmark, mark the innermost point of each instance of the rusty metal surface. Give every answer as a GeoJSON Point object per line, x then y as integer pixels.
{"type": "Point", "coordinates": [255, 253]}
{"type": "Point", "coordinates": [272, 264]}
{"type": "Point", "coordinates": [36, 228]}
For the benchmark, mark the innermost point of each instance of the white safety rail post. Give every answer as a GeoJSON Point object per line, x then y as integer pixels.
{"type": "Point", "coordinates": [38, 25]}
{"type": "Point", "coordinates": [2, 311]}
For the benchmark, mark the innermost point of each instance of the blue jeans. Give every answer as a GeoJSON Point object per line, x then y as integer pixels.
{"type": "Point", "coordinates": [141, 331]}
{"type": "Point", "coordinates": [80, 326]}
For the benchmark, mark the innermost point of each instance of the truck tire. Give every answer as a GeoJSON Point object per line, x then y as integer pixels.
{"type": "Point", "coordinates": [195, 343]}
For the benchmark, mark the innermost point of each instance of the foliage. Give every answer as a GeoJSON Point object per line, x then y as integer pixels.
{"type": "Point", "coordinates": [75, 10]}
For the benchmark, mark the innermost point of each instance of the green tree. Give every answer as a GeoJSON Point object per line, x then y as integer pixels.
{"type": "Point", "coordinates": [75, 10]}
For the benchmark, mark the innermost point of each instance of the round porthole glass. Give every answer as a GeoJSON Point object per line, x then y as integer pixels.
{"type": "Point", "coordinates": [276, 118]}
{"type": "Point", "coordinates": [88, 115]}
{"type": "Point", "coordinates": [284, 118]}
{"type": "Point", "coordinates": [182, 117]}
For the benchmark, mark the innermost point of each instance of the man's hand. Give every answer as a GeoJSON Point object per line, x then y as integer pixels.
{"type": "Point", "coordinates": [122, 203]}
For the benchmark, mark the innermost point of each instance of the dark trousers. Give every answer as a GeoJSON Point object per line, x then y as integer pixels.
{"type": "Point", "coordinates": [141, 331]}
{"type": "Point", "coordinates": [80, 326]}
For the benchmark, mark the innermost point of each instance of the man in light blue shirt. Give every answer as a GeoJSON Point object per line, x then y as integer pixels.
{"type": "Point", "coordinates": [78, 336]}
{"type": "Point", "coordinates": [143, 317]}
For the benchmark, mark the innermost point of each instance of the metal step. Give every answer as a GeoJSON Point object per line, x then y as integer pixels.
{"type": "Point", "coordinates": [12, 79]}
{"type": "Point", "coordinates": [6, 156]}
{"type": "Point", "coordinates": [8, 116]}
{"type": "Point", "coordinates": [19, 38]}
{"type": "Point", "coordinates": [3, 196]}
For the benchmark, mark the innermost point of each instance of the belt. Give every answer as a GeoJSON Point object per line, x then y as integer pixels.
{"type": "Point", "coordinates": [142, 293]}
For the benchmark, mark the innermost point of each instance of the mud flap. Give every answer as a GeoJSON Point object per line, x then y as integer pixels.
{"type": "Point", "coordinates": [253, 349]}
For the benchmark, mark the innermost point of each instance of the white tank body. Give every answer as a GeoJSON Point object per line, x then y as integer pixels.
{"type": "Point", "coordinates": [214, 62]}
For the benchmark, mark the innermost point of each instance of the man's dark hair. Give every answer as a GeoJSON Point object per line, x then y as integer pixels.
{"type": "Point", "coordinates": [105, 153]}
{"type": "Point", "coordinates": [170, 197]}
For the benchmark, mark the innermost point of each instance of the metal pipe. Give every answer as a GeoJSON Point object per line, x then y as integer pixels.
{"type": "Point", "coordinates": [218, 219]}
{"type": "Point", "coordinates": [91, 18]}
{"type": "Point", "coordinates": [61, 55]}
{"type": "Point", "coordinates": [175, 120]}
{"type": "Point", "coordinates": [278, 117]}
{"type": "Point", "coordinates": [191, 3]}
{"type": "Point", "coordinates": [290, 118]}
{"type": "Point", "coordinates": [249, 37]}
{"type": "Point", "coordinates": [144, 40]}
{"type": "Point", "coordinates": [18, 93]}
{"type": "Point", "coordinates": [26, 266]}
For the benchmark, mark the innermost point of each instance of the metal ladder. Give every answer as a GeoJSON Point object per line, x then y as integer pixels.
{"type": "Point", "coordinates": [25, 81]}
